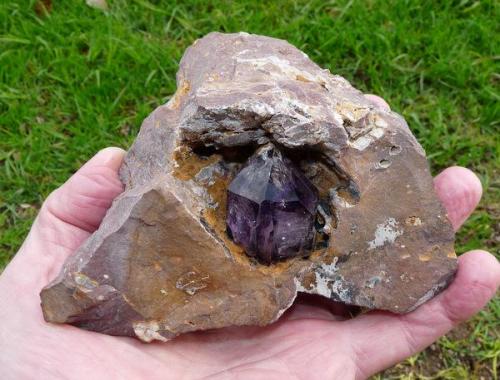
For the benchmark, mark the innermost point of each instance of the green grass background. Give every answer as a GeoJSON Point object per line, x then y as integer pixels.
{"type": "Point", "coordinates": [74, 79]}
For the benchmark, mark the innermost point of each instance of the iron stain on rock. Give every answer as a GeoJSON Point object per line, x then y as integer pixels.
{"type": "Point", "coordinates": [260, 142]}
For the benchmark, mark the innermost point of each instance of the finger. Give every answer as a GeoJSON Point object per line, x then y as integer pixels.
{"type": "Point", "coordinates": [378, 102]}
{"type": "Point", "coordinates": [68, 216]}
{"type": "Point", "coordinates": [381, 339]}
{"type": "Point", "coordinates": [75, 210]}
{"type": "Point", "coordinates": [460, 191]}
{"type": "Point", "coordinates": [84, 199]}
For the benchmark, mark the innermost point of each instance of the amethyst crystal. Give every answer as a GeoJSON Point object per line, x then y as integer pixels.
{"type": "Point", "coordinates": [271, 207]}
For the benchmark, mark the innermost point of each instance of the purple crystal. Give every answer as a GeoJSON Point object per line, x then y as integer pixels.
{"type": "Point", "coordinates": [271, 207]}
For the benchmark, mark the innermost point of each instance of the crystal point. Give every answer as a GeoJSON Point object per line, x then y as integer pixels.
{"type": "Point", "coordinates": [271, 207]}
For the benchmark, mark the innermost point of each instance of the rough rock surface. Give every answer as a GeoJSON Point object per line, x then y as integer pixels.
{"type": "Point", "coordinates": [162, 263]}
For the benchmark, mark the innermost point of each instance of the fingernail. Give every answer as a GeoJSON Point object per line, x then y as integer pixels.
{"type": "Point", "coordinates": [111, 157]}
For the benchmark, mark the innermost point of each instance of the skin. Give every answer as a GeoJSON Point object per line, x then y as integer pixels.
{"type": "Point", "coordinates": [311, 341]}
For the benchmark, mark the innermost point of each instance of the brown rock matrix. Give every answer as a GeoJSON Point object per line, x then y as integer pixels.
{"type": "Point", "coordinates": [162, 262]}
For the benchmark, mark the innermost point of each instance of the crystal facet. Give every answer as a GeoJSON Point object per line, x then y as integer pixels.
{"type": "Point", "coordinates": [271, 207]}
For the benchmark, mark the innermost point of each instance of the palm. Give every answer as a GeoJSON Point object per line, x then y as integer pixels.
{"type": "Point", "coordinates": [302, 337]}
{"type": "Point", "coordinates": [308, 342]}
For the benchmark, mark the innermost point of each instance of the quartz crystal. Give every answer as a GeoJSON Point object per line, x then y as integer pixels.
{"type": "Point", "coordinates": [271, 207]}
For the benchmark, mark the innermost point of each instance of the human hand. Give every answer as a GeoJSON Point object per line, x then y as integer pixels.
{"type": "Point", "coordinates": [309, 341]}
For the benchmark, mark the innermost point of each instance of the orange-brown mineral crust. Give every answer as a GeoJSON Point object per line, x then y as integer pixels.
{"type": "Point", "coordinates": [162, 262]}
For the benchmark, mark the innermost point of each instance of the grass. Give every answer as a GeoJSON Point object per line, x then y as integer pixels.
{"type": "Point", "coordinates": [74, 79]}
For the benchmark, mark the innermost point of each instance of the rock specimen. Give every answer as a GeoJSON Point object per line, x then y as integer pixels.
{"type": "Point", "coordinates": [365, 228]}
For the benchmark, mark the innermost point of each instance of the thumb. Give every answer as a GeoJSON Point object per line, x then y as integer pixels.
{"type": "Point", "coordinates": [68, 216]}
{"type": "Point", "coordinates": [83, 200]}
{"type": "Point", "coordinates": [380, 339]}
